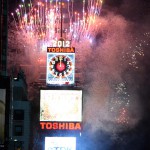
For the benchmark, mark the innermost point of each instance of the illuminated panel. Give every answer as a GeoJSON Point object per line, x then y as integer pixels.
{"type": "Point", "coordinates": [61, 43]}
{"type": "Point", "coordinates": [2, 114]}
{"type": "Point", "coordinates": [61, 105]}
{"type": "Point", "coordinates": [60, 143]}
{"type": "Point", "coordinates": [60, 66]}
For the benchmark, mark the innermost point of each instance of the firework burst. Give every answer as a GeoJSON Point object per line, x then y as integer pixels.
{"type": "Point", "coordinates": [48, 21]}
{"type": "Point", "coordinates": [37, 25]}
{"type": "Point", "coordinates": [137, 50]}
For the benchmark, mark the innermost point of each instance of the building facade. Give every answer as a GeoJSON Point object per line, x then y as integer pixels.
{"type": "Point", "coordinates": [3, 36]}
{"type": "Point", "coordinates": [19, 125]}
{"type": "Point", "coordinates": [4, 110]}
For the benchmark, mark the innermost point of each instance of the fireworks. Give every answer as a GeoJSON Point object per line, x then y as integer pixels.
{"type": "Point", "coordinates": [38, 25]}
{"type": "Point", "coordinates": [48, 21]}
{"type": "Point", "coordinates": [123, 116]}
{"type": "Point", "coordinates": [119, 103]}
{"type": "Point", "coordinates": [137, 50]}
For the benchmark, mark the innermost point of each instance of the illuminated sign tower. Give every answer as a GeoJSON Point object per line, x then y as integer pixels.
{"type": "Point", "coordinates": [61, 101]}
{"type": "Point", "coordinates": [60, 61]}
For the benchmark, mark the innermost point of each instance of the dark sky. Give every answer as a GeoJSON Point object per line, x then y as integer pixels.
{"type": "Point", "coordinates": [136, 10]}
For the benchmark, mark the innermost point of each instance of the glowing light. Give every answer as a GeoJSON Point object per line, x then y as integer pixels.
{"type": "Point", "coordinates": [90, 40]}
{"type": "Point", "coordinates": [45, 24]}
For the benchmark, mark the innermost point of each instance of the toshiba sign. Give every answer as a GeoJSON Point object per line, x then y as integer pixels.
{"type": "Point", "coordinates": [60, 125]}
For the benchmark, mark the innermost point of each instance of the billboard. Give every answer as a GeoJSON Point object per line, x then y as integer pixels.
{"type": "Point", "coordinates": [60, 143]}
{"type": "Point", "coordinates": [2, 114]}
{"type": "Point", "coordinates": [60, 66]}
{"type": "Point", "coordinates": [61, 105]}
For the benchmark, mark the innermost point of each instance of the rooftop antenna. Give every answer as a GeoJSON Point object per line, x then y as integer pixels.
{"type": "Point", "coordinates": [61, 33]}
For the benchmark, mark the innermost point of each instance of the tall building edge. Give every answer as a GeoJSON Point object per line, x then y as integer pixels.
{"type": "Point", "coordinates": [5, 88]}
{"type": "Point", "coordinates": [19, 117]}
{"type": "Point", "coordinates": [3, 36]}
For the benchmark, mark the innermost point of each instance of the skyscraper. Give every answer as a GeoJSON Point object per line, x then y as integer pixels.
{"type": "Point", "coordinates": [3, 36]}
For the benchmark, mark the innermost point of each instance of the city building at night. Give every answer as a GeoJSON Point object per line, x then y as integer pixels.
{"type": "Point", "coordinates": [4, 79]}
{"type": "Point", "coordinates": [4, 110]}
{"type": "Point", "coordinates": [19, 122]}
{"type": "Point", "coordinates": [3, 36]}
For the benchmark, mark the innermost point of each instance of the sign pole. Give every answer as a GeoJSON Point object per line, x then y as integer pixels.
{"type": "Point", "coordinates": [61, 20]}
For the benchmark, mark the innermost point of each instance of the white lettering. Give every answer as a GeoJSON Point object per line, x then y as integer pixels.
{"type": "Point", "coordinates": [59, 148]}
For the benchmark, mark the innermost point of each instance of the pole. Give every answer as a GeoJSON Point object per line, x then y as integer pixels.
{"type": "Point", "coordinates": [61, 21]}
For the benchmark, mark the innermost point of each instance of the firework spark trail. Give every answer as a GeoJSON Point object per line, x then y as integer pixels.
{"type": "Point", "coordinates": [100, 58]}
{"type": "Point", "coordinates": [43, 20]}
{"type": "Point", "coordinates": [136, 49]}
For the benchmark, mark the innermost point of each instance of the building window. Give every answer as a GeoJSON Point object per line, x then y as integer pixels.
{"type": "Point", "coordinates": [18, 145]}
{"type": "Point", "coordinates": [18, 114]}
{"type": "Point", "coordinates": [19, 94]}
{"type": "Point", "coordinates": [18, 130]}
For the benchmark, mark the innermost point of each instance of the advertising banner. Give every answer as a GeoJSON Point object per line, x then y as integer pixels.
{"type": "Point", "coordinates": [60, 143]}
{"type": "Point", "coordinates": [61, 105]}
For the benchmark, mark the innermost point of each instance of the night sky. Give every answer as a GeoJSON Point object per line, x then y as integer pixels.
{"type": "Point", "coordinates": [137, 11]}
{"type": "Point", "coordinates": [128, 21]}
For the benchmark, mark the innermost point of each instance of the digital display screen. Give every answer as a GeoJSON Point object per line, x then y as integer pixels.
{"type": "Point", "coordinates": [61, 43]}
{"type": "Point", "coordinates": [61, 105]}
{"type": "Point", "coordinates": [60, 66]}
{"type": "Point", "coordinates": [60, 143]}
{"type": "Point", "coordinates": [2, 114]}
